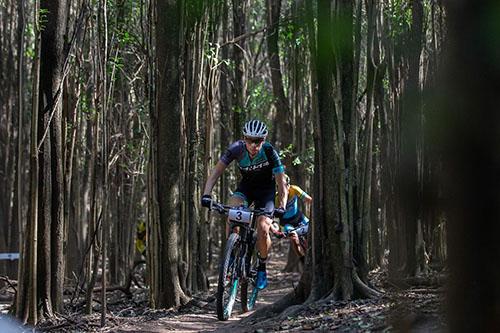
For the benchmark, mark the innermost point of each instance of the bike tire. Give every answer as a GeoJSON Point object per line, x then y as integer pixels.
{"type": "Point", "coordinates": [227, 286]}
{"type": "Point", "coordinates": [248, 299]}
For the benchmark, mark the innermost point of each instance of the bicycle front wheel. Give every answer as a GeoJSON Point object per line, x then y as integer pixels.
{"type": "Point", "coordinates": [227, 286]}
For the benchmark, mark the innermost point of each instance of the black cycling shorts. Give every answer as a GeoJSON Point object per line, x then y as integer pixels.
{"type": "Point", "coordinates": [261, 198]}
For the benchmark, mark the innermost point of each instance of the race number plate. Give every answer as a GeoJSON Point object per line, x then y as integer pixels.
{"type": "Point", "coordinates": [240, 216]}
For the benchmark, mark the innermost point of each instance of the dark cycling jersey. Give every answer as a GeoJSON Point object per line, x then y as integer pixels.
{"type": "Point", "coordinates": [257, 173]}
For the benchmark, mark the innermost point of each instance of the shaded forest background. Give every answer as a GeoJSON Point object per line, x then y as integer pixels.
{"type": "Point", "coordinates": [113, 113]}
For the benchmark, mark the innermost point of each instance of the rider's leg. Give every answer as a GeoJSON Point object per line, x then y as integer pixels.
{"type": "Point", "coordinates": [301, 231]}
{"type": "Point", "coordinates": [295, 242]}
{"type": "Point", "coordinates": [263, 238]}
{"type": "Point", "coordinates": [264, 223]}
{"type": "Point", "coordinates": [263, 243]}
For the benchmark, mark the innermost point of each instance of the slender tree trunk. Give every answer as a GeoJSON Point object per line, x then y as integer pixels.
{"type": "Point", "coordinates": [27, 295]}
{"type": "Point", "coordinates": [103, 14]}
{"type": "Point", "coordinates": [238, 93]}
{"type": "Point", "coordinates": [283, 116]}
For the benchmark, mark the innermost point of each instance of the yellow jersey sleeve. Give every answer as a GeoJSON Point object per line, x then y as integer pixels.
{"type": "Point", "coordinates": [295, 190]}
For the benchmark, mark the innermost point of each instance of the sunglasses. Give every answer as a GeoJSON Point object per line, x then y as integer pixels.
{"type": "Point", "coordinates": [256, 141]}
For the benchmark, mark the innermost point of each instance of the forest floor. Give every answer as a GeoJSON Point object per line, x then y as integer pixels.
{"type": "Point", "coordinates": [416, 309]}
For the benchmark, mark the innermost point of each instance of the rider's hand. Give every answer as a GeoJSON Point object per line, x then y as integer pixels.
{"type": "Point", "coordinates": [275, 229]}
{"type": "Point", "coordinates": [206, 200]}
{"type": "Point", "coordinates": [279, 212]}
{"type": "Point", "coordinates": [279, 234]}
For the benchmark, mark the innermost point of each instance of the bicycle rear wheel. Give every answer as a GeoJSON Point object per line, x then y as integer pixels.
{"type": "Point", "coordinates": [227, 286]}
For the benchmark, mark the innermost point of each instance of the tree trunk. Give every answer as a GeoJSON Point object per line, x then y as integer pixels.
{"type": "Point", "coordinates": [410, 141]}
{"type": "Point", "coordinates": [165, 287]}
{"type": "Point", "coordinates": [469, 127]}
{"type": "Point", "coordinates": [283, 115]}
{"type": "Point", "coordinates": [239, 28]}
{"type": "Point", "coordinates": [26, 304]}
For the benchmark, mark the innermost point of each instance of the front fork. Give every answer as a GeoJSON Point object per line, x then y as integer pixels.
{"type": "Point", "coordinates": [246, 253]}
{"type": "Point", "coordinates": [251, 240]}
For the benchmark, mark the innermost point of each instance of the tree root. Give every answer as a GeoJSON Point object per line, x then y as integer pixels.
{"type": "Point", "coordinates": [10, 283]}
{"type": "Point", "coordinates": [363, 289]}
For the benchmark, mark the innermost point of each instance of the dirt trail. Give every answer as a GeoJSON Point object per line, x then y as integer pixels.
{"type": "Point", "coordinates": [203, 318]}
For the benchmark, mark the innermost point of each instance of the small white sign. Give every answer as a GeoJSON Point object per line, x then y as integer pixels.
{"type": "Point", "coordinates": [238, 215]}
{"type": "Point", "coordinates": [9, 256]}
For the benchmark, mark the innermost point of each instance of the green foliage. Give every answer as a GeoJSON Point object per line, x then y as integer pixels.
{"type": "Point", "coordinates": [288, 32]}
{"type": "Point", "coordinates": [306, 159]}
{"type": "Point", "coordinates": [257, 15]}
{"type": "Point", "coordinates": [399, 14]}
{"type": "Point", "coordinates": [385, 82]}
{"type": "Point", "coordinates": [260, 99]}
{"type": "Point", "coordinates": [286, 152]}
{"type": "Point", "coordinates": [43, 18]}
{"type": "Point", "coordinates": [86, 108]}
{"type": "Point", "coordinates": [29, 51]}
{"type": "Point", "coordinates": [194, 10]}
{"type": "Point", "coordinates": [210, 51]}
{"type": "Point", "coordinates": [126, 38]}
{"type": "Point", "coordinates": [115, 62]}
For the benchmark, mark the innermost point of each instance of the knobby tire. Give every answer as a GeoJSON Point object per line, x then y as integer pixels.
{"type": "Point", "coordinates": [227, 269]}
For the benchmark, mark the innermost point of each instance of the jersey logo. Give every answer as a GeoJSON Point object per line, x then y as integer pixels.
{"type": "Point", "coordinates": [255, 167]}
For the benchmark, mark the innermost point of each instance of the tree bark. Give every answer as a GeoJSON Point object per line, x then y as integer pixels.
{"type": "Point", "coordinates": [410, 141]}
{"type": "Point", "coordinates": [281, 104]}
{"type": "Point", "coordinates": [165, 287]}
{"type": "Point", "coordinates": [468, 128]}
{"type": "Point", "coordinates": [238, 93]}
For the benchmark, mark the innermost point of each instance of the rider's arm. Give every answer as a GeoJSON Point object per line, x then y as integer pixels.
{"type": "Point", "coordinates": [212, 179]}
{"type": "Point", "coordinates": [282, 189]}
{"type": "Point", "coordinates": [229, 155]}
{"type": "Point", "coordinates": [306, 198]}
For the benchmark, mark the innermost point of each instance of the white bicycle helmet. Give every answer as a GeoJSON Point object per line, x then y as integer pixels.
{"type": "Point", "coordinates": [255, 129]}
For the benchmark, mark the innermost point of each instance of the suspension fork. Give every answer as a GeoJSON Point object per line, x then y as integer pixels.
{"type": "Point", "coordinates": [241, 268]}
{"type": "Point", "coordinates": [251, 239]}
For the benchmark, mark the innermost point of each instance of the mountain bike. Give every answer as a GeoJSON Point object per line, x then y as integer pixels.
{"type": "Point", "coordinates": [238, 266]}
{"type": "Point", "coordinates": [284, 232]}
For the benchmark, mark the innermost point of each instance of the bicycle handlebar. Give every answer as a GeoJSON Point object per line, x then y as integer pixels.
{"type": "Point", "coordinates": [224, 209]}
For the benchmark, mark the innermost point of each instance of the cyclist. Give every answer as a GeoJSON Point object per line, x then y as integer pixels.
{"type": "Point", "coordinates": [293, 218]}
{"type": "Point", "coordinates": [261, 170]}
